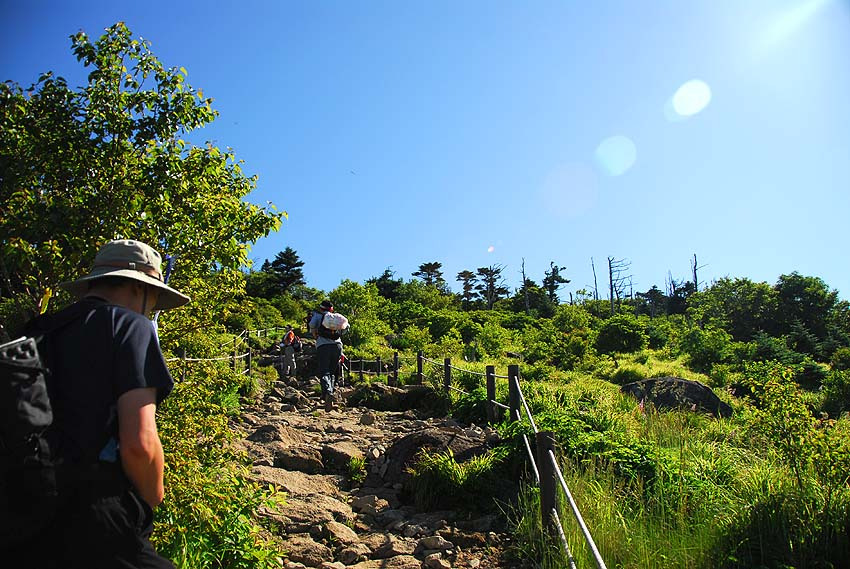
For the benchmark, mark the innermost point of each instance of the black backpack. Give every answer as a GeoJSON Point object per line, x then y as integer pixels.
{"type": "Point", "coordinates": [29, 486]}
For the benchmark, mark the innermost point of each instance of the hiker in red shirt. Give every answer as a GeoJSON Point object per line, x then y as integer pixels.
{"type": "Point", "coordinates": [289, 352]}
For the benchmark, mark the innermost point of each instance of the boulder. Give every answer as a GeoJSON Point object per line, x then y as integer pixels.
{"type": "Point", "coordinates": [301, 458]}
{"type": "Point", "coordinates": [303, 514]}
{"type": "Point", "coordinates": [398, 562]}
{"type": "Point", "coordinates": [340, 533]}
{"type": "Point", "coordinates": [354, 553]}
{"type": "Point", "coordinates": [402, 454]}
{"type": "Point", "coordinates": [394, 547]}
{"type": "Point", "coordinates": [434, 542]}
{"type": "Point", "coordinates": [270, 433]}
{"type": "Point", "coordinates": [381, 397]}
{"type": "Point", "coordinates": [296, 483]}
{"type": "Point", "coordinates": [677, 393]}
{"type": "Point", "coordinates": [370, 504]}
{"type": "Point", "coordinates": [338, 455]}
{"type": "Point", "coordinates": [302, 549]}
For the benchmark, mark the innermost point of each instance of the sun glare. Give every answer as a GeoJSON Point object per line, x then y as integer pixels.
{"type": "Point", "coordinates": [786, 25]}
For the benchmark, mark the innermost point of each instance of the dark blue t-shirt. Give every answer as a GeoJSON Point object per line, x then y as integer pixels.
{"type": "Point", "coordinates": [95, 359]}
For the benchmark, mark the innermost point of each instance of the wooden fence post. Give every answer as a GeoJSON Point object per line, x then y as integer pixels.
{"type": "Point", "coordinates": [249, 362]}
{"type": "Point", "coordinates": [378, 365]}
{"type": "Point", "coordinates": [513, 391]}
{"type": "Point", "coordinates": [491, 393]}
{"type": "Point", "coordinates": [419, 356]}
{"type": "Point", "coordinates": [395, 370]}
{"type": "Point", "coordinates": [447, 374]}
{"type": "Point", "coordinates": [185, 365]}
{"type": "Point", "coordinates": [234, 354]}
{"type": "Point", "coordinates": [361, 369]}
{"type": "Point", "coordinates": [548, 501]}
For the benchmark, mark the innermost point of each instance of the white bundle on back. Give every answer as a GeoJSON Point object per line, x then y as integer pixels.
{"type": "Point", "coordinates": [334, 321]}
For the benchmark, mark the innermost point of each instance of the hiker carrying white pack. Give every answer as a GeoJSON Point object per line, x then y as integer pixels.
{"type": "Point", "coordinates": [328, 327]}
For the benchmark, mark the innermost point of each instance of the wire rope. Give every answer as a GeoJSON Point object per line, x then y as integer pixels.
{"type": "Point", "coordinates": [574, 507]}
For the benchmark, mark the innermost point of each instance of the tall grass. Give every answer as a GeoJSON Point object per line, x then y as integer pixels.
{"type": "Point", "coordinates": [712, 493]}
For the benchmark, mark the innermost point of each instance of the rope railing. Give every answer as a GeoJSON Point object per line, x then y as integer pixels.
{"type": "Point", "coordinates": [469, 371]}
{"type": "Point", "coordinates": [461, 391]}
{"type": "Point", "coordinates": [544, 467]}
{"type": "Point", "coordinates": [525, 406]}
{"type": "Point", "coordinates": [576, 513]}
{"type": "Point", "coordinates": [531, 460]}
{"type": "Point", "coordinates": [560, 527]}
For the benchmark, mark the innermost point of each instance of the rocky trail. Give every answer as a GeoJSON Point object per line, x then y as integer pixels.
{"type": "Point", "coordinates": [332, 522]}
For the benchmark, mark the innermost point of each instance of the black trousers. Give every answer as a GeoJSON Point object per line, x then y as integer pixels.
{"type": "Point", "coordinates": [328, 364]}
{"type": "Point", "coordinates": [103, 524]}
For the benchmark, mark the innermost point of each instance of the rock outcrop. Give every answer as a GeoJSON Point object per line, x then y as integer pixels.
{"type": "Point", "coordinates": [332, 521]}
{"type": "Point", "coordinates": [677, 393]}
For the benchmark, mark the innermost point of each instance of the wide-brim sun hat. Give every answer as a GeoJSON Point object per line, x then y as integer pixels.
{"type": "Point", "coordinates": [131, 260]}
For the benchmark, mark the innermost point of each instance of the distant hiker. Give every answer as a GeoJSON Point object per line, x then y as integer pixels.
{"type": "Point", "coordinates": [327, 327]}
{"type": "Point", "coordinates": [289, 352]}
{"type": "Point", "coordinates": [108, 377]}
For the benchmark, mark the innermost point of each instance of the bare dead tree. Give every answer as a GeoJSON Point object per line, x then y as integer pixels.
{"type": "Point", "coordinates": [595, 284]}
{"type": "Point", "coordinates": [694, 269]}
{"type": "Point", "coordinates": [525, 288]}
{"type": "Point", "coordinates": [617, 280]}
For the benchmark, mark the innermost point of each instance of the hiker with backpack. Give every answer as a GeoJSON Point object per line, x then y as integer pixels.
{"type": "Point", "coordinates": [107, 376]}
{"type": "Point", "coordinates": [328, 327]}
{"type": "Point", "coordinates": [291, 344]}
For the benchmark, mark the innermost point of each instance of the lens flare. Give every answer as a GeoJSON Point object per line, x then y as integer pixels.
{"type": "Point", "coordinates": [616, 155]}
{"type": "Point", "coordinates": [490, 249]}
{"type": "Point", "coordinates": [691, 98]}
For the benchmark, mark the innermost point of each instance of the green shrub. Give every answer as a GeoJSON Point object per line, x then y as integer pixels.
{"type": "Point", "coordinates": [568, 318]}
{"type": "Point", "coordinates": [657, 333]}
{"type": "Point", "coordinates": [438, 481]}
{"type": "Point", "coordinates": [356, 469]}
{"type": "Point", "coordinates": [706, 347]}
{"type": "Point", "coordinates": [786, 528]}
{"type": "Point", "coordinates": [627, 374]}
{"type": "Point", "coordinates": [622, 333]}
{"type": "Point", "coordinates": [207, 519]}
{"type": "Point", "coordinates": [471, 407]}
{"type": "Point", "coordinates": [840, 360]}
{"type": "Point", "coordinates": [836, 391]}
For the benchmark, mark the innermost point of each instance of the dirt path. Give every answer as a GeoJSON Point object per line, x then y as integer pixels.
{"type": "Point", "coordinates": [330, 523]}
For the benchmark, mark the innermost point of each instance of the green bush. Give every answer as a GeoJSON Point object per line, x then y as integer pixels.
{"type": "Point", "coordinates": [471, 407]}
{"type": "Point", "coordinates": [622, 333]}
{"type": "Point", "coordinates": [840, 360]}
{"type": "Point", "coordinates": [626, 374]}
{"type": "Point", "coordinates": [836, 392]}
{"type": "Point", "coordinates": [207, 519]}
{"type": "Point", "coordinates": [438, 481]}
{"type": "Point", "coordinates": [705, 348]}
{"type": "Point", "coordinates": [657, 333]}
{"type": "Point", "coordinates": [786, 528]}
{"type": "Point", "coordinates": [568, 318]}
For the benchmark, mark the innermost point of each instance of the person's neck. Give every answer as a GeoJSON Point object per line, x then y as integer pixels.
{"type": "Point", "coordinates": [120, 296]}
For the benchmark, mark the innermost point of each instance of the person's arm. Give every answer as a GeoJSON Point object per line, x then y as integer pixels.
{"type": "Point", "coordinates": [141, 449]}
{"type": "Point", "coordinates": [314, 329]}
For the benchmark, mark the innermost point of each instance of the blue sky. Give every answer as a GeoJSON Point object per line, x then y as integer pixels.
{"type": "Point", "coordinates": [474, 133]}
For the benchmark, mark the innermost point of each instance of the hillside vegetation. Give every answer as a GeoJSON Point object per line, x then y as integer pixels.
{"type": "Point", "coordinates": [767, 487]}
